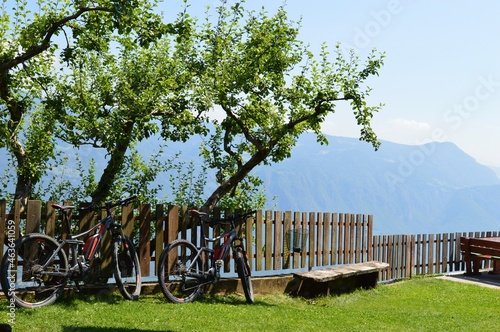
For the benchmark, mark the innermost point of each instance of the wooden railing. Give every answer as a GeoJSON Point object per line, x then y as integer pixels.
{"type": "Point", "coordinates": [277, 242]}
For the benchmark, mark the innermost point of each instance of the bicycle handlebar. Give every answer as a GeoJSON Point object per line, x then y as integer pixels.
{"type": "Point", "coordinates": [110, 204]}
{"type": "Point", "coordinates": [232, 217]}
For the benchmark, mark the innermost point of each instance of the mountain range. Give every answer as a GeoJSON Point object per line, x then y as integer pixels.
{"type": "Point", "coordinates": [431, 188]}
{"type": "Point", "coordinates": [409, 189]}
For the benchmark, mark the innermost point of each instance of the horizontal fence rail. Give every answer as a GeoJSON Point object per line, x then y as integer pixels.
{"type": "Point", "coordinates": [276, 242]}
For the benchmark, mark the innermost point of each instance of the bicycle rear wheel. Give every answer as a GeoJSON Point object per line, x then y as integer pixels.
{"type": "Point", "coordinates": [33, 272]}
{"type": "Point", "coordinates": [127, 269]}
{"type": "Point", "coordinates": [180, 272]}
{"type": "Point", "coordinates": [244, 274]}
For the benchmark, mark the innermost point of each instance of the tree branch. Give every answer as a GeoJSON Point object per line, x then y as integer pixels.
{"type": "Point", "coordinates": [317, 111]}
{"type": "Point", "coordinates": [256, 142]}
{"type": "Point", "coordinates": [45, 43]}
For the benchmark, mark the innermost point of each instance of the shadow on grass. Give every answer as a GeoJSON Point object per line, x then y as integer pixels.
{"type": "Point", "coordinates": [103, 296]}
{"type": "Point", "coordinates": [105, 329]}
{"type": "Point", "coordinates": [232, 299]}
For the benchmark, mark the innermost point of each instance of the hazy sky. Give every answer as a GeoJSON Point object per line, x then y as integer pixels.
{"type": "Point", "coordinates": [441, 78]}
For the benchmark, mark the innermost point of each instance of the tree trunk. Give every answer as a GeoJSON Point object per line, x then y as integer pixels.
{"type": "Point", "coordinates": [114, 165]}
{"type": "Point", "coordinates": [236, 178]}
{"type": "Point", "coordinates": [24, 183]}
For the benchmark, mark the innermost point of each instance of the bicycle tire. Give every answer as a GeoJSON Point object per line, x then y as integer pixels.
{"type": "Point", "coordinates": [29, 285]}
{"type": "Point", "coordinates": [127, 269]}
{"type": "Point", "coordinates": [244, 273]}
{"type": "Point", "coordinates": [181, 279]}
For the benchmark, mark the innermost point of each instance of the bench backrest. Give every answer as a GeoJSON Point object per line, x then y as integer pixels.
{"type": "Point", "coordinates": [481, 246]}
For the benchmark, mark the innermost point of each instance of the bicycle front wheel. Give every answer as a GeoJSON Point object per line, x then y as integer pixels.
{"type": "Point", "coordinates": [33, 271]}
{"type": "Point", "coordinates": [244, 274]}
{"type": "Point", "coordinates": [127, 269]}
{"type": "Point", "coordinates": [180, 272]}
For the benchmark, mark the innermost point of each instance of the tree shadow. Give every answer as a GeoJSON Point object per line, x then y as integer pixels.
{"type": "Point", "coordinates": [231, 299]}
{"type": "Point", "coordinates": [106, 329]}
{"type": "Point", "coordinates": [70, 299]}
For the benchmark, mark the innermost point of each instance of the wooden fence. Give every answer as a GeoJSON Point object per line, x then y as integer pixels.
{"type": "Point", "coordinates": [276, 242]}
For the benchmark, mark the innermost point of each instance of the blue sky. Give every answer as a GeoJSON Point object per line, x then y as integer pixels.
{"type": "Point", "coordinates": [441, 78]}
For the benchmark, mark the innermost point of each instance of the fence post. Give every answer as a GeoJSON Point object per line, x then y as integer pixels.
{"type": "Point", "coordinates": [319, 239]}
{"type": "Point", "coordinates": [248, 240]}
{"type": "Point", "coordinates": [17, 216]}
{"type": "Point", "coordinates": [33, 216]}
{"type": "Point", "coordinates": [258, 241]}
{"type": "Point", "coordinates": [269, 240]}
{"type": "Point", "coordinates": [278, 235]}
{"type": "Point", "coordinates": [312, 227]}
{"type": "Point", "coordinates": [172, 224]}
{"type": "Point", "coordinates": [51, 217]}
{"type": "Point", "coordinates": [334, 242]}
{"type": "Point", "coordinates": [326, 236]}
{"type": "Point", "coordinates": [144, 238]}
{"type": "Point", "coordinates": [128, 220]}
{"type": "Point", "coordinates": [369, 244]}
{"type": "Point", "coordinates": [159, 233]}
{"type": "Point", "coordinates": [287, 237]}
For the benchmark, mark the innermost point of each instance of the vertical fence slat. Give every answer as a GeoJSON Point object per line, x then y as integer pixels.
{"type": "Point", "coordinates": [319, 239]}
{"type": "Point", "coordinates": [144, 239]}
{"type": "Point", "coordinates": [159, 232]}
{"type": "Point", "coordinates": [445, 254]}
{"type": "Point", "coordinates": [340, 237]}
{"type": "Point", "coordinates": [431, 254]}
{"type": "Point", "coordinates": [369, 237]}
{"type": "Point", "coordinates": [269, 241]}
{"type": "Point", "coordinates": [334, 245]}
{"type": "Point", "coordinates": [297, 227]}
{"type": "Point", "coordinates": [287, 245]}
{"type": "Point", "coordinates": [127, 220]}
{"type": "Point", "coordinates": [358, 239]}
{"type": "Point", "coordinates": [326, 239]}
{"type": "Point", "coordinates": [248, 240]}
{"type": "Point", "coordinates": [312, 228]}
{"type": "Point", "coordinates": [51, 217]}
{"type": "Point", "coordinates": [278, 235]}
{"type": "Point", "coordinates": [305, 230]}
{"type": "Point", "coordinates": [17, 216]}
{"type": "Point", "coordinates": [258, 241]}
{"type": "Point", "coordinates": [390, 257]}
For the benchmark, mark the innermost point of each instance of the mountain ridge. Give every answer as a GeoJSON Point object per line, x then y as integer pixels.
{"type": "Point", "coordinates": [407, 188]}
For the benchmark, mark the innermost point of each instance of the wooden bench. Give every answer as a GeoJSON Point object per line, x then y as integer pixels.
{"type": "Point", "coordinates": [338, 279]}
{"type": "Point", "coordinates": [475, 250]}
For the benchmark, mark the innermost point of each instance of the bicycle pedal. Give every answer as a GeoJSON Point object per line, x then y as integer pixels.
{"type": "Point", "coordinates": [219, 262]}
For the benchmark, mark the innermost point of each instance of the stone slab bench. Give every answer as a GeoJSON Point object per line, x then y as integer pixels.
{"type": "Point", "coordinates": [338, 279]}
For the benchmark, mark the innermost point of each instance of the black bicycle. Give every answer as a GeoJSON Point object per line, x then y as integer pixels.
{"type": "Point", "coordinates": [35, 269]}
{"type": "Point", "coordinates": [184, 269]}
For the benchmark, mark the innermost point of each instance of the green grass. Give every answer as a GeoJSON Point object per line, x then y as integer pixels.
{"type": "Point", "coordinates": [426, 304]}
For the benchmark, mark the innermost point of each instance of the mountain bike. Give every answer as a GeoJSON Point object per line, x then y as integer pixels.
{"type": "Point", "coordinates": [184, 270]}
{"type": "Point", "coordinates": [35, 268]}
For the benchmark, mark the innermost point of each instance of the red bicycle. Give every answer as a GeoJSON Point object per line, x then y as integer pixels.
{"type": "Point", "coordinates": [184, 269]}
{"type": "Point", "coordinates": [35, 269]}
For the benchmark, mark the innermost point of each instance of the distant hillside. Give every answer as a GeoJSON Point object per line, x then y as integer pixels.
{"type": "Point", "coordinates": [409, 189]}
{"type": "Point", "coordinates": [431, 188]}
{"type": "Point", "coordinates": [496, 170]}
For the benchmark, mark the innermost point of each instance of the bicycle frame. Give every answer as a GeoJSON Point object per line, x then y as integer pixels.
{"type": "Point", "coordinates": [89, 252]}
{"type": "Point", "coordinates": [216, 256]}
{"type": "Point", "coordinates": [40, 266]}
{"type": "Point", "coordinates": [184, 268]}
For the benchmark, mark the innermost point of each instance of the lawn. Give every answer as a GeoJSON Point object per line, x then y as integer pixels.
{"type": "Point", "coordinates": [424, 304]}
